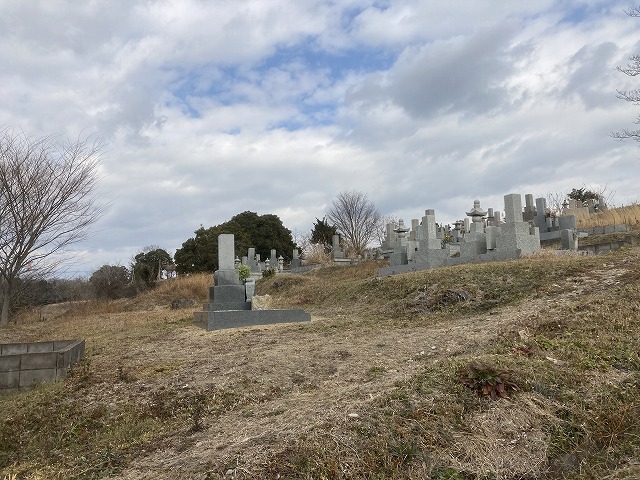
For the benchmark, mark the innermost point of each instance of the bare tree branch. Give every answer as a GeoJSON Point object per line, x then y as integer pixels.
{"type": "Point", "coordinates": [356, 219]}
{"type": "Point", "coordinates": [633, 96]}
{"type": "Point", "coordinates": [47, 202]}
{"type": "Point", "coordinates": [633, 11]}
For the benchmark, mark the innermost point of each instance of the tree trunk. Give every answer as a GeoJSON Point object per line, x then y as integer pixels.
{"type": "Point", "coordinates": [6, 300]}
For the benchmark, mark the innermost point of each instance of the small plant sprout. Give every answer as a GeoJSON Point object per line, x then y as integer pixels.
{"type": "Point", "coordinates": [486, 380]}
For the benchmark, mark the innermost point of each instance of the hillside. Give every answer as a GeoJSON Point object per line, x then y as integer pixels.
{"type": "Point", "coordinates": [377, 385]}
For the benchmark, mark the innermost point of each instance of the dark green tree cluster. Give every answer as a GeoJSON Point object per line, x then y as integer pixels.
{"type": "Point", "coordinates": [111, 282]}
{"type": "Point", "coordinates": [323, 232]}
{"type": "Point", "coordinates": [583, 195]}
{"type": "Point", "coordinates": [262, 232]}
{"type": "Point", "coordinates": [147, 266]}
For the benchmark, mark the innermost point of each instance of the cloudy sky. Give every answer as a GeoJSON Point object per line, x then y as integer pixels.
{"type": "Point", "coordinates": [211, 108]}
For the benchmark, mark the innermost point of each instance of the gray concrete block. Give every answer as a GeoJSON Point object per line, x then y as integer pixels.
{"type": "Point", "coordinates": [77, 352]}
{"type": "Point", "coordinates": [622, 228]}
{"type": "Point", "coordinates": [9, 379]}
{"type": "Point", "coordinates": [31, 377]}
{"type": "Point", "coordinates": [25, 369]}
{"type": "Point", "coordinates": [39, 347]}
{"type": "Point", "coordinates": [9, 363]}
{"type": "Point", "coordinates": [63, 358]}
{"type": "Point", "coordinates": [35, 361]}
{"type": "Point", "coordinates": [59, 345]}
{"type": "Point", "coordinates": [553, 235]}
{"type": "Point", "coordinates": [61, 373]}
{"type": "Point", "coordinates": [13, 348]}
{"type": "Point", "coordinates": [610, 229]}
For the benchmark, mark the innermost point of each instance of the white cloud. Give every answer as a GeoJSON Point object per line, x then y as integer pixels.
{"type": "Point", "coordinates": [214, 108]}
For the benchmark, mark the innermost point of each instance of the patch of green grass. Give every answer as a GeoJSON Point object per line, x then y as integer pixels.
{"type": "Point", "coordinates": [374, 372]}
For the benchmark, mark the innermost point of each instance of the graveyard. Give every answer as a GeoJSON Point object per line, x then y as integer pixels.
{"type": "Point", "coordinates": [516, 368]}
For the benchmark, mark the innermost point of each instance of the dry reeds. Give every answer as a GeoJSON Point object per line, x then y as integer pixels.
{"type": "Point", "coordinates": [317, 255]}
{"type": "Point", "coordinates": [192, 286]}
{"type": "Point", "coordinates": [629, 215]}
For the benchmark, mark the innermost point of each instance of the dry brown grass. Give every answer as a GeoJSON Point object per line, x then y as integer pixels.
{"type": "Point", "coordinates": [368, 389]}
{"type": "Point", "coordinates": [629, 215]}
{"type": "Point", "coordinates": [192, 287]}
{"type": "Point", "coordinates": [316, 255]}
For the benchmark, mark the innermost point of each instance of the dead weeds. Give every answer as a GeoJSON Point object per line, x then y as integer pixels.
{"type": "Point", "coordinates": [368, 389]}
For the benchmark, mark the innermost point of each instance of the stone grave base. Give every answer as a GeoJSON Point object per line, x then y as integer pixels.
{"type": "Point", "coordinates": [221, 319]}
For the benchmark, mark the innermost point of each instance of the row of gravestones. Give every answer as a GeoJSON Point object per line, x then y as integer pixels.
{"type": "Point", "coordinates": [484, 236]}
{"type": "Point", "coordinates": [252, 259]}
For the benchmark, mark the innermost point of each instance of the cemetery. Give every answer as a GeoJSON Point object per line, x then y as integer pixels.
{"type": "Point", "coordinates": [482, 237]}
{"type": "Point", "coordinates": [422, 361]}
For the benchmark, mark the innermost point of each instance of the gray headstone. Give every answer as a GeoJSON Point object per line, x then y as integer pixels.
{"type": "Point", "coordinates": [429, 224]}
{"type": "Point", "coordinates": [512, 208]}
{"type": "Point", "coordinates": [541, 212]}
{"type": "Point", "coordinates": [567, 222]}
{"type": "Point", "coordinates": [226, 253]}
{"type": "Point", "coordinates": [569, 239]}
{"type": "Point", "coordinates": [415, 224]}
{"type": "Point", "coordinates": [528, 200]}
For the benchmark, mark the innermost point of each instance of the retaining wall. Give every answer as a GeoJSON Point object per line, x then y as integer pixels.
{"type": "Point", "coordinates": [25, 364]}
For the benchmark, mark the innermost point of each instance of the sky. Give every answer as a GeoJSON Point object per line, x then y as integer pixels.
{"type": "Point", "coordinates": [211, 108]}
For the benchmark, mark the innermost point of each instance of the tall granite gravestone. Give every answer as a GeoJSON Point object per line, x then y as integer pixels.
{"type": "Point", "coordinates": [228, 292]}
{"type": "Point", "coordinates": [336, 249]}
{"type": "Point", "coordinates": [230, 299]}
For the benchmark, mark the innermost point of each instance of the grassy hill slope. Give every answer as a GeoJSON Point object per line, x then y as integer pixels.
{"type": "Point", "coordinates": [392, 378]}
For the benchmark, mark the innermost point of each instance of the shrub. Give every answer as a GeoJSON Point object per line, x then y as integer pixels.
{"type": "Point", "coordinates": [268, 272]}
{"type": "Point", "coordinates": [244, 271]}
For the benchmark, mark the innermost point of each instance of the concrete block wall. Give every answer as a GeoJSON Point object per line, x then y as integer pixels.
{"type": "Point", "coordinates": [25, 364]}
{"type": "Point", "coordinates": [620, 228]}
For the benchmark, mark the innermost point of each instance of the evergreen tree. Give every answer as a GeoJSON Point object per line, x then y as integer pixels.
{"type": "Point", "coordinates": [250, 230]}
{"type": "Point", "coordinates": [323, 232]}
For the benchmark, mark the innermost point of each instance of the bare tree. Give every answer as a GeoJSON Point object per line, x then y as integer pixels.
{"type": "Point", "coordinates": [47, 203]}
{"type": "Point", "coordinates": [557, 201]}
{"type": "Point", "coordinates": [632, 69]}
{"type": "Point", "coordinates": [381, 230]}
{"type": "Point", "coordinates": [356, 219]}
